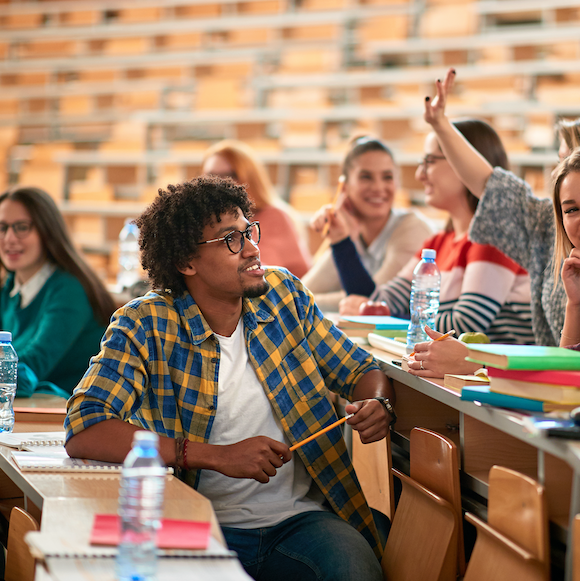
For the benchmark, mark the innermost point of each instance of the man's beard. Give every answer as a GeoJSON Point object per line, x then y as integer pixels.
{"type": "Point", "coordinates": [256, 291]}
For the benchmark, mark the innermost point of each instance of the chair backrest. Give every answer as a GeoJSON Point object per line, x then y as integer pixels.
{"type": "Point", "coordinates": [422, 534]}
{"type": "Point", "coordinates": [514, 543]}
{"type": "Point", "coordinates": [517, 508]}
{"type": "Point", "coordinates": [20, 563]}
{"type": "Point", "coordinates": [372, 464]}
{"type": "Point", "coordinates": [497, 557]}
{"type": "Point", "coordinates": [435, 465]}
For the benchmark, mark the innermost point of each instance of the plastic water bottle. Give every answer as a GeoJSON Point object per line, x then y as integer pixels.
{"type": "Point", "coordinates": [8, 375]}
{"type": "Point", "coordinates": [129, 256]}
{"type": "Point", "coordinates": [424, 298]}
{"type": "Point", "coordinates": [140, 508]}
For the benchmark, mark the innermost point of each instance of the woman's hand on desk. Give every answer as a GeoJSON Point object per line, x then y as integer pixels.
{"type": "Point", "coordinates": [351, 304]}
{"type": "Point", "coordinates": [436, 358]}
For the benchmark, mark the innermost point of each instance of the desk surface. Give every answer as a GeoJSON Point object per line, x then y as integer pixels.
{"type": "Point", "coordinates": [485, 436]}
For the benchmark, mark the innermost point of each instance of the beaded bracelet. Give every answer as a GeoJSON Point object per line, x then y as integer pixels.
{"type": "Point", "coordinates": [185, 442]}
{"type": "Point", "coordinates": [179, 445]}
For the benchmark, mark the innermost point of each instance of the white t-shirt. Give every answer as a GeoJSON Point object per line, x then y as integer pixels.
{"type": "Point", "coordinates": [243, 411]}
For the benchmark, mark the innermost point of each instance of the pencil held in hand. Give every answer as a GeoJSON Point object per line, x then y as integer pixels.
{"type": "Point", "coordinates": [444, 336]}
{"type": "Point", "coordinates": [336, 196]}
{"type": "Point", "coordinates": [323, 431]}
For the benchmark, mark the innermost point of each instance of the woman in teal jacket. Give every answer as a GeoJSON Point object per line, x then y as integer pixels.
{"type": "Point", "coordinates": [52, 302]}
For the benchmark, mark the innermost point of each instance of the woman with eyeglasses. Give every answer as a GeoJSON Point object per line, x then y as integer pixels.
{"type": "Point", "coordinates": [541, 234]}
{"type": "Point", "coordinates": [52, 302]}
{"type": "Point", "coordinates": [482, 290]}
{"type": "Point", "coordinates": [363, 225]}
{"type": "Point", "coordinates": [282, 241]}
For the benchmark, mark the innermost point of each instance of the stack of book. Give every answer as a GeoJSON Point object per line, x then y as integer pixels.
{"type": "Point", "coordinates": [527, 377]}
{"type": "Point", "coordinates": [362, 325]}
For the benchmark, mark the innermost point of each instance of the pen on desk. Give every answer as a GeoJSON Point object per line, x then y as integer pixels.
{"type": "Point", "coordinates": [338, 190]}
{"type": "Point", "coordinates": [323, 431]}
{"type": "Point", "coordinates": [448, 334]}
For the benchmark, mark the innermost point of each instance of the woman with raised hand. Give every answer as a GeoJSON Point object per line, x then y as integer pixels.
{"type": "Point", "coordinates": [363, 227]}
{"type": "Point", "coordinates": [281, 241]}
{"type": "Point", "coordinates": [52, 302]}
{"type": "Point", "coordinates": [538, 233]}
{"type": "Point", "coordinates": [482, 290]}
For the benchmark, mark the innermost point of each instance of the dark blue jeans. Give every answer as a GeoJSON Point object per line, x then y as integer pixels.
{"type": "Point", "coordinates": [312, 546]}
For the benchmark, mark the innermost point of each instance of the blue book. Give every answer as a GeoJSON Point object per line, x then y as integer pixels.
{"type": "Point", "coordinates": [482, 394]}
{"type": "Point", "coordinates": [378, 322]}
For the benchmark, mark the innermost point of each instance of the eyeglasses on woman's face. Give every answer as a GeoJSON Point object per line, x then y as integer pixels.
{"type": "Point", "coordinates": [235, 240]}
{"type": "Point", "coordinates": [428, 160]}
{"type": "Point", "coordinates": [21, 229]}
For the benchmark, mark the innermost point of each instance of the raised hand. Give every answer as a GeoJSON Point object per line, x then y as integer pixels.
{"type": "Point", "coordinates": [257, 458]}
{"type": "Point", "coordinates": [435, 108]}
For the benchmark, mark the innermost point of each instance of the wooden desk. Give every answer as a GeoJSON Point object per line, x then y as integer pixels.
{"type": "Point", "coordinates": [65, 505]}
{"type": "Point", "coordinates": [39, 413]}
{"type": "Point", "coordinates": [486, 436]}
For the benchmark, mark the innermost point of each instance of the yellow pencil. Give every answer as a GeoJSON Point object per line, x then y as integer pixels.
{"type": "Point", "coordinates": [338, 190]}
{"type": "Point", "coordinates": [449, 334]}
{"type": "Point", "coordinates": [323, 431]}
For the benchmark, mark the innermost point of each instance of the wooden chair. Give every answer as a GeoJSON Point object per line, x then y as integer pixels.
{"type": "Point", "coordinates": [423, 530]}
{"type": "Point", "coordinates": [19, 562]}
{"type": "Point", "coordinates": [372, 464]}
{"type": "Point", "coordinates": [514, 543]}
{"type": "Point", "coordinates": [435, 465]}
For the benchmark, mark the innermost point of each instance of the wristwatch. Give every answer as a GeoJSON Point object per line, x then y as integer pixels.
{"type": "Point", "coordinates": [386, 403]}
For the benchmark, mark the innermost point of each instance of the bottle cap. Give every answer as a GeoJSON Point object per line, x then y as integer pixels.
{"type": "Point", "coordinates": [5, 336]}
{"type": "Point", "coordinates": [146, 438]}
{"type": "Point", "coordinates": [428, 253]}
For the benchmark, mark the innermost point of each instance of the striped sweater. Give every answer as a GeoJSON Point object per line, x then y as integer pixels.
{"type": "Point", "coordinates": [481, 290]}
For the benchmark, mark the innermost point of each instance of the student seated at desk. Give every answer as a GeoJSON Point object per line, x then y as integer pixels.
{"type": "Point", "coordinates": [383, 238]}
{"type": "Point", "coordinates": [540, 234]}
{"type": "Point", "coordinates": [482, 290]}
{"type": "Point", "coordinates": [537, 233]}
{"type": "Point", "coordinates": [52, 302]}
{"type": "Point", "coordinates": [231, 363]}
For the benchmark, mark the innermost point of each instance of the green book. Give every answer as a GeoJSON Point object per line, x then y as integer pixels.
{"type": "Point", "coordinates": [392, 333]}
{"type": "Point", "coordinates": [523, 356]}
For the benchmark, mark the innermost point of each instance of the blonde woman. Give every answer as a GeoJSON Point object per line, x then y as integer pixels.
{"type": "Point", "coordinates": [281, 243]}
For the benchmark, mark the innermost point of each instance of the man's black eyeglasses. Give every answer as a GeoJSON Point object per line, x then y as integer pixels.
{"type": "Point", "coordinates": [236, 239]}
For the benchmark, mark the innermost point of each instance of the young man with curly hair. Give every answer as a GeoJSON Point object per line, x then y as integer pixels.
{"type": "Point", "coordinates": [231, 363]}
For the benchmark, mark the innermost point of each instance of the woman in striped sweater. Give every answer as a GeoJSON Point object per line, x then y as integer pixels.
{"type": "Point", "coordinates": [482, 290]}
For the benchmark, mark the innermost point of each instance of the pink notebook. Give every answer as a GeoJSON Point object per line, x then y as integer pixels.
{"type": "Point", "coordinates": [173, 534]}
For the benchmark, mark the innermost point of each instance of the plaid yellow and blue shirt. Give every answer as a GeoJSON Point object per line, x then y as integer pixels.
{"type": "Point", "coordinates": [158, 368]}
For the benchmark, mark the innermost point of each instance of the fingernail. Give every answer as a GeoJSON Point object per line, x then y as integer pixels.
{"type": "Point", "coordinates": [453, 71]}
{"type": "Point", "coordinates": [427, 98]}
{"type": "Point", "coordinates": [438, 80]}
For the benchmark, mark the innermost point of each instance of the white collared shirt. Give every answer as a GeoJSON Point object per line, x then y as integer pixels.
{"type": "Point", "coordinates": [32, 286]}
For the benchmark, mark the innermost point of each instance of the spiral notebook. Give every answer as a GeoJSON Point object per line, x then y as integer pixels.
{"type": "Point", "coordinates": [57, 460]}
{"type": "Point", "coordinates": [25, 440]}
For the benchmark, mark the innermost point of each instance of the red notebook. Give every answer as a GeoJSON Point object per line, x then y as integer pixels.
{"type": "Point", "coordinates": [173, 534]}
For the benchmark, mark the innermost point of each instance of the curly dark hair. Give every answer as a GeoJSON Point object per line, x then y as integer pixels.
{"type": "Point", "coordinates": [171, 227]}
